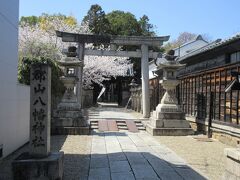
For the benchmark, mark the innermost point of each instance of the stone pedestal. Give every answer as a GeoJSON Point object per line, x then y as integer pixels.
{"type": "Point", "coordinates": [232, 165]}
{"type": "Point", "coordinates": [26, 167]}
{"type": "Point", "coordinates": [168, 119]}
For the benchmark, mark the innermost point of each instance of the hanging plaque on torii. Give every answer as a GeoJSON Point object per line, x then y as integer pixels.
{"type": "Point", "coordinates": [144, 54]}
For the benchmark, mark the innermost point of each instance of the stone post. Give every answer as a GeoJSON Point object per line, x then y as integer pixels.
{"type": "Point", "coordinates": [80, 72]}
{"type": "Point", "coordinates": [39, 162]}
{"type": "Point", "coordinates": [138, 100]}
{"type": "Point", "coordinates": [131, 90]}
{"type": "Point", "coordinates": [145, 81]}
{"type": "Point", "coordinates": [40, 110]}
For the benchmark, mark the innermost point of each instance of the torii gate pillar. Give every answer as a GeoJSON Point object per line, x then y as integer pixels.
{"type": "Point", "coordinates": [145, 81]}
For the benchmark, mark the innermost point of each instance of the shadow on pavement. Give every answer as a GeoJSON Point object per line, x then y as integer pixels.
{"type": "Point", "coordinates": [125, 166]}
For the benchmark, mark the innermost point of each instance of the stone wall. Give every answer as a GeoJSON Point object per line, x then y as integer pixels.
{"type": "Point", "coordinates": [225, 134]}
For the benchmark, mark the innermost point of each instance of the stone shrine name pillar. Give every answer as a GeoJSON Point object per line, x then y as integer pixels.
{"type": "Point", "coordinates": [40, 110]}
{"type": "Point", "coordinates": [145, 81]}
{"type": "Point", "coordinates": [39, 162]}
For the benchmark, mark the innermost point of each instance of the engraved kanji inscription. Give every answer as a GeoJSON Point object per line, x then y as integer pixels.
{"type": "Point", "coordinates": [39, 74]}
{"type": "Point", "coordinates": [38, 141]}
{"type": "Point", "coordinates": [39, 88]}
{"type": "Point", "coordinates": [39, 100]}
{"type": "Point", "coordinates": [39, 115]}
{"type": "Point", "coordinates": [38, 127]}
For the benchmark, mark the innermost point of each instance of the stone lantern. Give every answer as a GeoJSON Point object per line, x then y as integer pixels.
{"type": "Point", "coordinates": [169, 119]}
{"type": "Point", "coordinates": [68, 118]}
{"type": "Point", "coordinates": [70, 65]}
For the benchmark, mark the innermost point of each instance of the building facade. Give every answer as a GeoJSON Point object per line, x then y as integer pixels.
{"type": "Point", "coordinates": [14, 97]}
{"type": "Point", "coordinates": [201, 92]}
{"type": "Point", "coordinates": [202, 89]}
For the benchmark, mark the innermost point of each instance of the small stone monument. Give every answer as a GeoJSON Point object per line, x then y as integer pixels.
{"type": "Point", "coordinates": [232, 165]}
{"type": "Point", "coordinates": [68, 118]}
{"type": "Point", "coordinates": [169, 119]}
{"type": "Point", "coordinates": [39, 163]}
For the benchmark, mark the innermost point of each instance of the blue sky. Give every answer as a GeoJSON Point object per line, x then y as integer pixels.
{"type": "Point", "coordinates": [216, 18]}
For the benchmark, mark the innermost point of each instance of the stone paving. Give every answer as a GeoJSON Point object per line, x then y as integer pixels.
{"type": "Point", "coordinates": [112, 113]}
{"type": "Point", "coordinates": [114, 155]}
{"type": "Point", "coordinates": [125, 155]}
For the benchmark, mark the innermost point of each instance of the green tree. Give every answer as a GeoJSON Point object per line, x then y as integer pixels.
{"type": "Point", "coordinates": [146, 27]}
{"type": "Point", "coordinates": [31, 20]}
{"type": "Point", "coordinates": [96, 19]}
{"type": "Point", "coordinates": [123, 23]}
{"type": "Point", "coordinates": [57, 87]}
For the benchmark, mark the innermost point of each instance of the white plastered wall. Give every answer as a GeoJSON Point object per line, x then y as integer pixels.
{"type": "Point", "coordinates": [14, 98]}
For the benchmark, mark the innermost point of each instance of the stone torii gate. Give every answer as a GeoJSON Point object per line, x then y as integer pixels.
{"type": "Point", "coordinates": [144, 54]}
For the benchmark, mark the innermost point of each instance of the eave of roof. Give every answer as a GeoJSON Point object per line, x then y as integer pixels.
{"type": "Point", "coordinates": [216, 44]}
{"type": "Point", "coordinates": [192, 41]}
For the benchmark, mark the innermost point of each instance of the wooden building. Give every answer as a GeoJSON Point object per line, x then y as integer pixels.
{"type": "Point", "coordinates": [201, 92]}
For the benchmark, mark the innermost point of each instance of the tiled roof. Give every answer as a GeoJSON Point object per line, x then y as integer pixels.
{"type": "Point", "coordinates": [210, 46]}
{"type": "Point", "coordinates": [198, 37]}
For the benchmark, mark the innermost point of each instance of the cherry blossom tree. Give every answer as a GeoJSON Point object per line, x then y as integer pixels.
{"type": "Point", "coordinates": [40, 40]}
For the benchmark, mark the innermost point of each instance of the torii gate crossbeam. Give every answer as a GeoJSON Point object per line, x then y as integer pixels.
{"type": "Point", "coordinates": [145, 54]}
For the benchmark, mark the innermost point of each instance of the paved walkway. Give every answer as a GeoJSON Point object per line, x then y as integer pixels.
{"type": "Point", "coordinates": [130, 156]}
{"type": "Point", "coordinates": [123, 155]}
{"type": "Point", "coordinates": [112, 113]}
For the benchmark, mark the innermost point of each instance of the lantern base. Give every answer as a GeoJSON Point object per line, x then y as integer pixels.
{"type": "Point", "coordinates": [168, 120]}
{"type": "Point", "coordinates": [168, 131]}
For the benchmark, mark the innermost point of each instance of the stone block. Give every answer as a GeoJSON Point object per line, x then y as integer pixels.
{"type": "Point", "coordinates": [232, 162]}
{"type": "Point", "coordinates": [176, 123]}
{"type": "Point", "coordinates": [170, 115]}
{"type": "Point", "coordinates": [233, 153]}
{"type": "Point", "coordinates": [144, 172]}
{"type": "Point", "coordinates": [70, 130]}
{"type": "Point", "coordinates": [101, 162]}
{"type": "Point", "coordinates": [68, 122]}
{"type": "Point", "coordinates": [189, 174]}
{"type": "Point", "coordinates": [122, 175]}
{"type": "Point", "coordinates": [170, 123]}
{"type": "Point", "coordinates": [168, 131]}
{"type": "Point", "coordinates": [117, 157]}
{"type": "Point", "coordinates": [156, 122]}
{"type": "Point", "coordinates": [119, 166]}
{"type": "Point", "coordinates": [26, 167]}
{"type": "Point", "coordinates": [99, 173]}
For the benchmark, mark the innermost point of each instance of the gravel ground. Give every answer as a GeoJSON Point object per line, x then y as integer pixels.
{"type": "Point", "coordinates": [205, 157]}
{"type": "Point", "coordinates": [76, 158]}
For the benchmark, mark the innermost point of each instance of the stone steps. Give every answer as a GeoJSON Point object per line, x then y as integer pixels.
{"type": "Point", "coordinates": [121, 125]}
